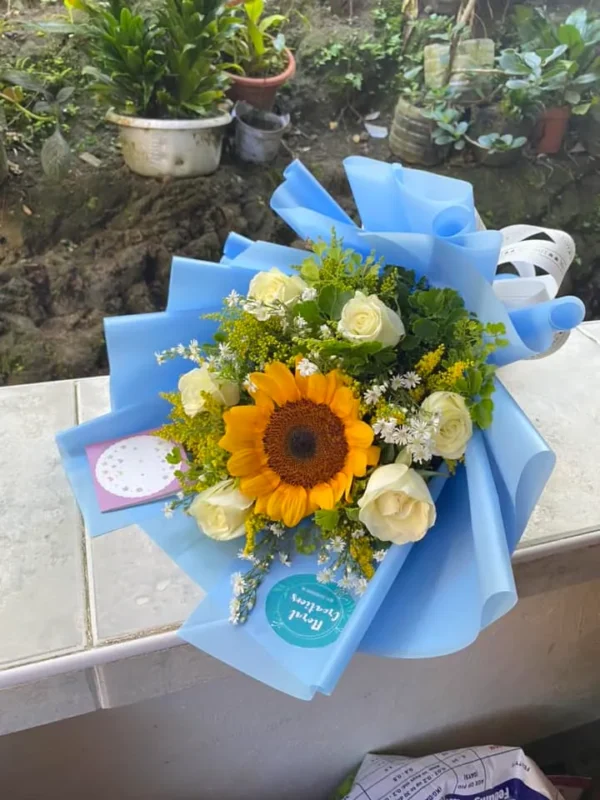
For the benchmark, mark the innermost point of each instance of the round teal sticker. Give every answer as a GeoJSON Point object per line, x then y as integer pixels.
{"type": "Point", "coordinates": [306, 613]}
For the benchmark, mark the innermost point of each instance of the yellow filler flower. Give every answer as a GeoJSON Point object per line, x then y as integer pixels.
{"type": "Point", "coordinates": [299, 447]}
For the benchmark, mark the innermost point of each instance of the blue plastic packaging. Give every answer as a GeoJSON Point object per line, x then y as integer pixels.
{"type": "Point", "coordinates": [426, 599]}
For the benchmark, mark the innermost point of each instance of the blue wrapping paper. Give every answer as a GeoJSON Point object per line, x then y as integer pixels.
{"type": "Point", "coordinates": [426, 599]}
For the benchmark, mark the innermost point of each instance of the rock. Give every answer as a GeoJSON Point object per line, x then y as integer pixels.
{"type": "Point", "coordinates": [138, 300]}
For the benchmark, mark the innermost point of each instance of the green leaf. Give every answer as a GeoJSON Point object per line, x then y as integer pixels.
{"type": "Point", "coordinates": [174, 457]}
{"type": "Point", "coordinates": [327, 519]}
{"type": "Point", "coordinates": [332, 300]}
{"type": "Point", "coordinates": [581, 109]}
{"type": "Point", "coordinates": [352, 513]}
{"type": "Point", "coordinates": [482, 413]}
{"type": "Point", "coordinates": [309, 270]}
{"type": "Point", "coordinates": [569, 36]}
{"type": "Point", "coordinates": [308, 310]}
{"type": "Point", "coordinates": [425, 329]}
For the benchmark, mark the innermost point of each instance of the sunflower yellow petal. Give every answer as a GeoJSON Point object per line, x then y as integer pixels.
{"type": "Point", "coordinates": [294, 505]}
{"type": "Point", "coordinates": [260, 507]}
{"type": "Point", "coordinates": [236, 438]}
{"type": "Point", "coordinates": [270, 387]}
{"type": "Point", "coordinates": [322, 496]}
{"type": "Point", "coordinates": [285, 380]}
{"type": "Point", "coordinates": [334, 381]}
{"type": "Point", "coordinates": [260, 485]}
{"type": "Point", "coordinates": [356, 463]}
{"type": "Point", "coordinates": [343, 403]}
{"type": "Point", "coordinates": [246, 417]}
{"type": "Point", "coordinates": [316, 389]}
{"type": "Point", "coordinates": [245, 462]}
{"type": "Point", "coordinates": [274, 502]}
{"type": "Point", "coordinates": [373, 454]}
{"type": "Point", "coordinates": [359, 434]}
{"type": "Point", "coordinates": [339, 484]}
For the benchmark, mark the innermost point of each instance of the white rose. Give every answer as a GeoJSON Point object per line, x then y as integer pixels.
{"type": "Point", "coordinates": [397, 506]}
{"type": "Point", "coordinates": [221, 511]}
{"type": "Point", "coordinates": [367, 319]}
{"type": "Point", "coordinates": [193, 383]}
{"type": "Point", "coordinates": [455, 428]}
{"type": "Point", "coordinates": [272, 286]}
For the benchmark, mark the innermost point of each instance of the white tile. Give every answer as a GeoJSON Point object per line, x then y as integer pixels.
{"type": "Point", "coordinates": [48, 700]}
{"type": "Point", "coordinates": [142, 677]}
{"type": "Point", "coordinates": [560, 396]}
{"type": "Point", "coordinates": [135, 586]}
{"type": "Point", "coordinates": [42, 594]}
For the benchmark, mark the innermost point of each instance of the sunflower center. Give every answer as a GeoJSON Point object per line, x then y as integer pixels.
{"type": "Point", "coordinates": [305, 443]}
{"type": "Point", "coordinates": [302, 443]}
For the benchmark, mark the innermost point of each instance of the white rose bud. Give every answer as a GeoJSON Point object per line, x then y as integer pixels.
{"type": "Point", "coordinates": [455, 429]}
{"type": "Point", "coordinates": [273, 286]}
{"type": "Point", "coordinates": [397, 505]}
{"type": "Point", "coordinates": [367, 319]}
{"type": "Point", "coordinates": [221, 511]}
{"type": "Point", "coordinates": [199, 380]}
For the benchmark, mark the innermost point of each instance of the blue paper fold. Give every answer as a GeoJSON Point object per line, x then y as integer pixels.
{"type": "Point", "coordinates": [428, 599]}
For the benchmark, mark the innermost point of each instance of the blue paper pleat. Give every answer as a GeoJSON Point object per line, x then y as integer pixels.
{"type": "Point", "coordinates": [426, 599]}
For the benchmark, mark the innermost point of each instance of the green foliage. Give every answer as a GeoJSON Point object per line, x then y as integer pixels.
{"type": "Point", "coordinates": [451, 129]}
{"type": "Point", "coordinates": [558, 63]}
{"type": "Point", "coordinates": [165, 63]}
{"type": "Point", "coordinates": [333, 267]}
{"type": "Point", "coordinates": [495, 143]}
{"type": "Point", "coordinates": [371, 63]}
{"type": "Point", "coordinates": [256, 46]}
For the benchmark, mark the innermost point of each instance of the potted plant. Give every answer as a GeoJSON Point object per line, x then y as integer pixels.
{"type": "Point", "coordinates": [161, 74]}
{"type": "Point", "coordinates": [256, 48]}
{"type": "Point", "coordinates": [413, 126]}
{"type": "Point", "coordinates": [566, 69]}
{"type": "Point", "coordinates": [512, 114]}
{"type": "Point", "coordinates": [498, 150]}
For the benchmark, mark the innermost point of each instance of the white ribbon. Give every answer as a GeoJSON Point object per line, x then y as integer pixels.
{"type": "Point", "coordinates": [553, 255]}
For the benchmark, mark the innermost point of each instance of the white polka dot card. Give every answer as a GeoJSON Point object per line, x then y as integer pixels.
{"type": "Point", "coordinates": [133, 470]}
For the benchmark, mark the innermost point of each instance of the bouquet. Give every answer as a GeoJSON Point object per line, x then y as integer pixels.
{"type": "Point", "coordinates": [337, 465]}
{"type": "Point", "coordinates": [326, 402]}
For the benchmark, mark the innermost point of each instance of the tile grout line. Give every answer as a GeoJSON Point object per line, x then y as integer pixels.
{"type": "Point", "coordinates": [93, 679]}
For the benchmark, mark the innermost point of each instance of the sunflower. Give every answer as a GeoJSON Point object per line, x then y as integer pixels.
{"type": "Point", "coordinates": [299, 447]}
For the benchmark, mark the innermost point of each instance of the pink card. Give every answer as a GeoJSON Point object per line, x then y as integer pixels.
{"type": "Point", "coordinates": [132, 470]}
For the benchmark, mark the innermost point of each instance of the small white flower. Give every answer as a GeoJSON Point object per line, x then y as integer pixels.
{"type": "Point", "coordinates": [258, 310]}
{"type": "Point", "coordinates": [234, 611]}
{"type": "Point", "coordinates": [322, 559]}
{"type": "Point", "coordinates": [396, 383]}
{"type": "Point", "coordinates": [247, 557]}
{"type": "Point", "coordinates": [347, 582]}
{"type": "Point", "coordinates": [300, 323]}
{"type": "Point", "coordinates": [386, 429]}
{"type": "Point", "coordinates": [212, 361]}
{"type": "Point", "coordinates": [160, 358]}
{"type": "Point", "coordinates": [306, 368]}
{"type": "Point", "coordinates": [379, 555]}
{"type": "Point", "coordinates": [309, 293]}
{"type": "Point", "coordinates": [226, 352]}
{"type": "Point", "coordinates": [411, 380]}
{"type": "Point", "coordinates": [233, 299]}
{"type": "Point", "coordinates": [372, 395]}
{"type": "Point", "coordinates": [419, 452]}
{"type": "Point", "coordinates": [238, 583]}
{"type": "Point", "coordinates": [325, 576]}
{"type": "Point", "coordinates": [180, 349]}
{"type": "Point", "coordinates": [180, 496]}
{"type": "Point", "coordinates": [168, 510]}
{"type": "Point", "coordinates": [358, 533]}
{"type": "Point", "coordinates": [360, 586]}
{"type": "Point", "coordinates": [277, 529]}
{"type": "Point", "coordinates": [325, 332]}
{"type": "Point", "coordinates": [284, 559]}
{"type": "Point", "coordinates": [249, 386]}
{"type": "Point", "coordinates": [337, 544]}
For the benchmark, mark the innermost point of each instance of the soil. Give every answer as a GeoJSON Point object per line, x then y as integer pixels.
{"type": "Point", "coordinates": [100, 242]}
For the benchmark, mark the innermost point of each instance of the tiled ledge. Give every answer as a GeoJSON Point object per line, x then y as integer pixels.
{"type": "Point", "coordinates": [75, 611]}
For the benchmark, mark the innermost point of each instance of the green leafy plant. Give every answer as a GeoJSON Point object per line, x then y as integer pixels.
{"type": "Point", "coordinates": [451, 128]}
{"type": "Point", "coordinates": [574, 78]}
{"type": "Point", "coordinates": [496, 143]}
{"type": "Point", "coordinates": [256, 46]}
{"type": "Point", "coordinates": [164, 63]}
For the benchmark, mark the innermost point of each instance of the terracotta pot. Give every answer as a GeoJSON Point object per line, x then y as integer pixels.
{"type": "Point", "coordinates": [551, 129]}
{"type": "Point", "coordinates": [260, 92]}
{"type": "Point", "coordinates": [410, 136]}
